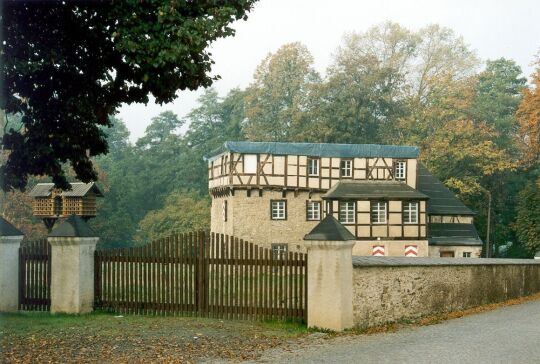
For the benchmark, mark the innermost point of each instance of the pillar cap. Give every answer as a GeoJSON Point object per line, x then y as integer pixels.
{"type": "Point", "coordinates": [330, 229]}
{"type": "Point", "coordinates": [73, 226]}
{"type": "Point", "coordinates": [7, 229]}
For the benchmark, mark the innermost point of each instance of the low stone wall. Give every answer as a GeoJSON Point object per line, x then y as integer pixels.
{"type": "Point", "coordinates": [387, 289]}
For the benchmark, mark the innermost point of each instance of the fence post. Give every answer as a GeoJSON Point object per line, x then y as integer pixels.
{"type": "Point", "coordinates": [329, 302]}
{"type": "Point", "coordinates": [73, 244]}
{"type": "Point", "coordinates": [10, 242]}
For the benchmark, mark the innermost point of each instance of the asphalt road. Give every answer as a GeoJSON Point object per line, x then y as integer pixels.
{"type": "Point", "coordinates": [506, 335]}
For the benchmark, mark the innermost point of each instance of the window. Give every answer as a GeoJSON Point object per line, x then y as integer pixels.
{"type": "Point", "coordinates": [313, 166]}
{"type": "Point", "coordinates": [224, 210]}
{"type": "Point", "coordinates": [466, 254]}
{"type": "Point", "coordinates": [401, 170]}
{"type": "Point", "coordinates": [346, 168]}
{"type": "Point", "coordinates": [378, 212]}
{"type": "Point", "coordinates": [347, 212]}
{"type": "Point", "coordinates": [250, 163]}
{"type": "Point", "coordinates": [410, 212]}
{"type": "Point", "coordinates": [313, 210]}
{"type": "Point", "coordinates": [278, 209]}
{"type": "Point", "coordinates": [279, 251]}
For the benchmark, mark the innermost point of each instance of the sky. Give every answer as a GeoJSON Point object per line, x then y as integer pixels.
{"type": "Point", "coordinates": [492, 28]}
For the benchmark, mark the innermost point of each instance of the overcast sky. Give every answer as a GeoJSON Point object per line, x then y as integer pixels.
{"type": "Point", "coordinates": [493, 28]}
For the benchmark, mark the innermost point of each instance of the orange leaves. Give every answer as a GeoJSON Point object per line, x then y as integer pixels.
{"type": "Point", "coordinates": [528, 115]}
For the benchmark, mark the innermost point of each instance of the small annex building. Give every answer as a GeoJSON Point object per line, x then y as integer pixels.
{"type": "Point", "coordinates": [274, 193]}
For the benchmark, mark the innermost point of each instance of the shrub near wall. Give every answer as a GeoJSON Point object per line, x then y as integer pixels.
{"type": "Point", "coordinates": [390, 289]}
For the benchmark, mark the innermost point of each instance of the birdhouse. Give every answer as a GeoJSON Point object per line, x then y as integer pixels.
{"type": "Point", "coordinates": [52, 203]}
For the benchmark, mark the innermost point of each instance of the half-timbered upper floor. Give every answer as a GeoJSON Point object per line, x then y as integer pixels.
{"type": "Point", "coordinates": [307, 165]}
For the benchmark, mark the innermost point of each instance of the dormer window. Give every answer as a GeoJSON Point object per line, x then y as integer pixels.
{"type": "Point", "coordinates": [401, 171]}
{"type": "Point", "coordinates": [313, 166]}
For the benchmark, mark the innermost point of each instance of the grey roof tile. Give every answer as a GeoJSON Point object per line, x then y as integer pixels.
{"type": "Point", "coordinates": [330, 229]}
{"type": "Point", "coordinates": [453, 234]}
{"type": "Point", "coordinates": [7, 229]}
{"type": "Point", "coordinates": [349, 189]}
{"type": "Point", "coordinates": [318, 149]}
{"type": "Point", "coordinates": [78, 189]}
{"type": "Point", "coordinates": [73, 226]}
{"type": "Point", "coordinates": [442, 201]}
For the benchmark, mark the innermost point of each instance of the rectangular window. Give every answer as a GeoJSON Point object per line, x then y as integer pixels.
{"type": "Point", "coordinates": [410, 212]}
{"type": "Point", "coordinates": [313, 210]}
{"type": "Point", "coordinates": [250, 163]}
{"type": "Point", "coordinates": [313, 166]}
{"type": "Point", "coordinates": [278, 209]}
{"type": "Point", "coordinates": [279, 251]}
{"type": "Point", "coordinates": [401, 170]}
{"type": "Point", "coordinates": [378, 212]}
{"type": "Point", "coordinates": [224, 212]}
{"type": "Point", "coordinates": [346, 168]}
{"type": "Point", "coordinates": [466, 254]}
{"type": "Point", "coordinates": [347, 212]}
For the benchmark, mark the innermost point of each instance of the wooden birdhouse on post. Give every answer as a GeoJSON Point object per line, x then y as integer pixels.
{"type": "Point", "coordinates": [51, 203]}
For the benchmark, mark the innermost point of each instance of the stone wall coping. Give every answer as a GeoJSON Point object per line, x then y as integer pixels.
{"type": "Point", "coordinates": [72, 240]}
{"type": "Point", "coordinates": [11, 239]}
{"type": "Point", "coordinates": [329, 244]}
{"type": "Point", "coordinates": [359, 262]}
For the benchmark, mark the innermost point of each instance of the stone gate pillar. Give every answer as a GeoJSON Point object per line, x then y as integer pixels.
{"type": "Point", "coordinates": [10, 242]}
{"type": "Point", "coordinates": [72, 266]}
{"type": "Point", "coordinates": [329, 246]}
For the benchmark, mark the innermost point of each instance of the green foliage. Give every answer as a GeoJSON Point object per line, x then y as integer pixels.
{"type": "Point", "coordinates": [68, 65]}
{"type": "Point", "coordinates": [528, 216]}
{"type": "Point", "coordinates": [182, 212]}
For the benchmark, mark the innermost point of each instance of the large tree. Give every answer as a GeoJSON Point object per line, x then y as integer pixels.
{"type": "Point", "coordinates": [528, 115]}
{"type": "Point", "coordinates": [66, 66]}
{"type": "Point", "coordinates": [277, 101]}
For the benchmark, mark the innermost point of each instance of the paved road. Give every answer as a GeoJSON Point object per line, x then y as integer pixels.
{"type": "Point", "coordinates": [506, 335]}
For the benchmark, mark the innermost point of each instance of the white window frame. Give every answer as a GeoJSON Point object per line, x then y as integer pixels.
{"type": "Point", "coordinates": [278, 209]}
{"type": "Point", "coordinates": [347, 212]}
{"type": "Point", "coordinates": [346, 166]}
{"type": "Point", "coordinates": [401, 171]}
{"type": "Point", "coordinates": [379, 211]}
{"type": "Point", "coordinates": [250, 163]}
{"type": "Point", "coordinates": [409, 212]}
{"type": "Point", "coordinates": [467, 254]}
{"type": "Point", "coordinates": [279, 251]}
{"type": "Point", "coordinates": [313, 210]}
{"type": "Point", "coordinates": [313, 167]}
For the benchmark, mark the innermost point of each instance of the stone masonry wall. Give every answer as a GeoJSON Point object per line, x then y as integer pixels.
{"type": "Point", "coordinates": [390, 289]}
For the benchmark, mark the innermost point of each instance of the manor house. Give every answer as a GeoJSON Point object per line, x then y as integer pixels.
{"type": "Point", "coordinates": [273, 194]}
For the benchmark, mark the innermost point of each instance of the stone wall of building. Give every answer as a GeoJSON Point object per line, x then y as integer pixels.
{"type": "Point", "coordinates": [249, 218]}
{"type": "Point", "coordinates": [435, 250]}
{"type": "Point", "coordinates": [391, 289]}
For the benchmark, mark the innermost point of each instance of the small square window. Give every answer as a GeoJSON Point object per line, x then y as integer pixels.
{"type": "Point", "coordinates": [313, 166]}
{"type": "Point", "coordinates": [378, 212]}
{"type": "Point", "coordinates": [278, 209]}
{"type": "Point", "coordinates": [279, 251]}
{"type": "Point", "coordinates": [313, 210]}
{"type": "Point", "coordinates": [347, 212]}
{"type": "Point", "coordinates": [401, 170]}
{"type": "Point", "coordinates": [466, 254]}
{"type": "Point", "coordinates": [346, 168]}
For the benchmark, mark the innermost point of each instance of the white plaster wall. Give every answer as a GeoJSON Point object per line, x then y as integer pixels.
{"type": "Point", "coordinates": [9, 273]}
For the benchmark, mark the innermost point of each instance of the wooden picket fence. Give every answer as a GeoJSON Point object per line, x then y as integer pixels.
{"type": "Point", "coordinates": [202, 274]}
{"type": "Point", "coordinates": [35, 275]}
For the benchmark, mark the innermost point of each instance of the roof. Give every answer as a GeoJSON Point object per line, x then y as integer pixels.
{"type": "Point", "coordinates": [7, 229]}
{"type": "Point", "coordinates": [73, 226]}
{"type": "Point", "coordinates": [453, 234]}
{"type": "Point", "coordinates": [318, 149]}
{"type": "Point", "coordinates": [442, 201]}
{"type": "Point", "coordinates": [78, 189]}
{"type": "Point", "coordinates": [429, 261]}
{"type": "Point", "coordinates": [350, 189]}
{"type": "Point", "coordinates": [330, 229]}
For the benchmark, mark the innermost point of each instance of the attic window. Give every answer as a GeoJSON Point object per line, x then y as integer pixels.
{"type": "Point", "coordinates": [401, 170]}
